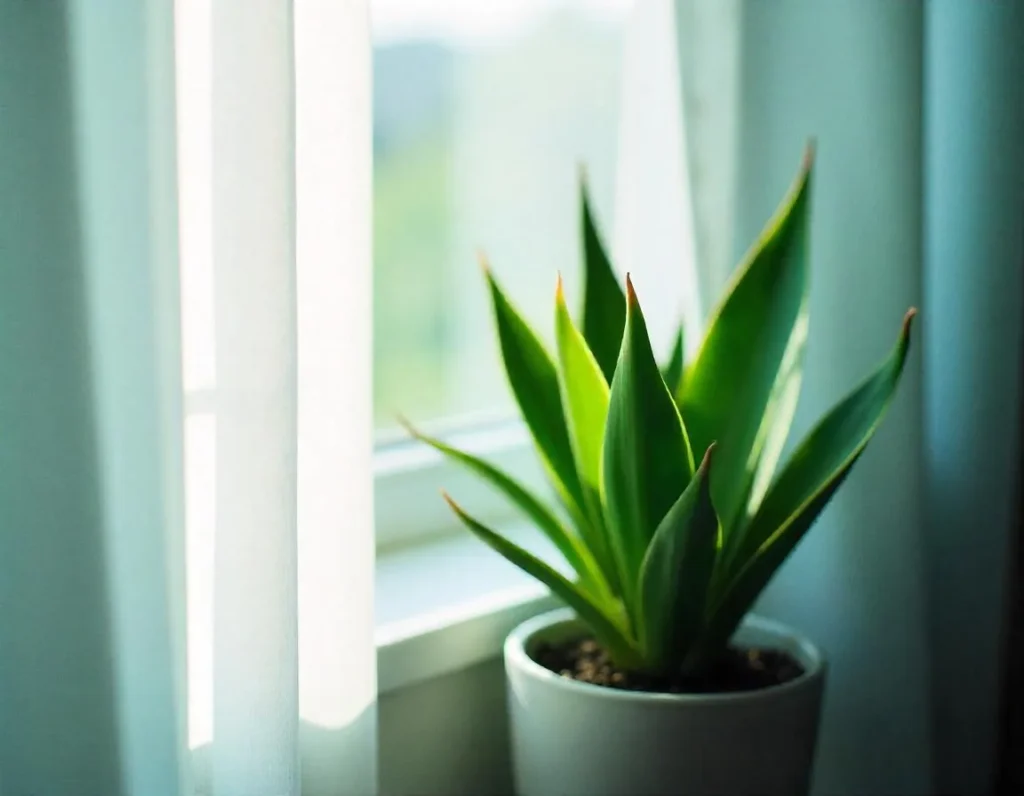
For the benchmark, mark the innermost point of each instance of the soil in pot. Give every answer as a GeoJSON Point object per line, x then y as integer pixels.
{"type": "Point", "coordinates": [737, 670]}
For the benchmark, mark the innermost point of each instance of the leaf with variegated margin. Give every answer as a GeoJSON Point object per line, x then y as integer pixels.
{"type": "Point", "coordinates": [758, 327]}
{"type": "Point", "coordinates": [533, 379]}
{"type": "Point", "coordinates": [803, 489]}
{"type": "Point", "coordinates": [647, 457]}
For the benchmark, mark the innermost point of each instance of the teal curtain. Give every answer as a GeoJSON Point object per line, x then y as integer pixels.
{"type": "Point", "coordinates": [919, 197]}
{"type": "Point", "coordinates": [91, 636]}
{"type": "Point", "coordinates": [972, 359]}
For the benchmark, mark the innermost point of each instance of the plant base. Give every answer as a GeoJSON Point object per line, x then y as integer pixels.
{"type": "Point", "coordinates": [737, 670]}
{"type": "Point", "coordinates": [573, 737]}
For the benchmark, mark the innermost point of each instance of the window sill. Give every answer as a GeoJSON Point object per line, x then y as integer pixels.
{"type": "Point", "coordinates": [447, 603]}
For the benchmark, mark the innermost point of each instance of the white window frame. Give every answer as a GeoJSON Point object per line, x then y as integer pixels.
{"type": "Point", "coordinates": [409, 477]}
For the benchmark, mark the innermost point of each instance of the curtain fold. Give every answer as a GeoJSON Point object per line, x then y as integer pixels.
{"type": "Point", "coordinates": [655, 240]}
{"type": "Point", "coordinates": [294, 668]}
{"type": "Point", "coordinates": [255, 573]}
{"type": "Point", "coordinates": [972, 337]}
{"type": "Point", "coordinates": [123, 95]}
{"type": "Point", "coordinates": [334, 290]}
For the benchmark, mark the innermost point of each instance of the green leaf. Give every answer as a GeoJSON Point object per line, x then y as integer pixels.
{"type": "Point", "coordinates": [599, 616]}
{"type": "Point", "coordinates": [604, 304]}
{"type": "Point", "coordinates": [647, 457]}
{"type": "Point", "coordinates": [675, 574]}
{"type": "Point", "coordinates": [728, 390]}
{"type": "Point", "coordinates": [585, 393]}
{"type": "Point", "coordinates": [771, 437]}
{"type": "Point", "coordinates": [804, 488]}
{"type": "Point", "coordinates": [534, 381]}
{"type": "Point", "coordinates": [674, 369]}
{"type": "Point", "coordinates": [567, 543]}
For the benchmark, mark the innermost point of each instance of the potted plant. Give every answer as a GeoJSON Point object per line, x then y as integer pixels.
{"type": "Point", "coordinates": [671, 521]}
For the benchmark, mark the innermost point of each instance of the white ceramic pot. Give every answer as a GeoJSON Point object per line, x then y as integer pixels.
{"type": "Point", "coordinates": [571, 738]}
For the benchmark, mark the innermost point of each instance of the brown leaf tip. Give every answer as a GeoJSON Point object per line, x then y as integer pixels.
{"type": "Point", "coordinates": [810, 150]}
{"type": "Point", "coordinates": [485, 266]}
{"type": "Point", "coordinates": [706, 463]}
{"type": "Point", "coordinates": [630, 292]}
{"type": "Point", "coordinates": [908, 321]}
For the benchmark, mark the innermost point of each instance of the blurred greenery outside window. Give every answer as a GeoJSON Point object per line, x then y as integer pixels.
{"type": "Point", "coordinates": [483, 114]}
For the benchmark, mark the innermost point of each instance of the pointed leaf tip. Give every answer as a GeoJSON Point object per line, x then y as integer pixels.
{"type": "Point", "coordinates": [630, 292]}
{"type": "Point", "coordinates": [451, 503]}
{"type": "Point", "coordinates": [559, 292]}
{"type": "Point", "coordinates": [810, 150]}
{"type": "Point", "coordinates": [647, 457]}
{"type": "Point", "coordinates": [741, 386]}
{"type": "Point", "coordinates": [816, 469]}
{"type": "Point", "coordinates": [485, 265]}
{"type": "Point", "coordinates": [533, 378]}
{"type": "Point", "coordinates": [676, 572]}
{"type": "Point", "coordinates": [706, 462]}
{"type": "Point", "coordinates": [908, 321]}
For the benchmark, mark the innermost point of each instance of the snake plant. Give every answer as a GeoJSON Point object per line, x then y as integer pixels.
{"type": "Point", "coordinates": [669, 512]}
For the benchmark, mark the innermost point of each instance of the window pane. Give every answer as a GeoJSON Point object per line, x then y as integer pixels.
{"type": "Point", "coordinates": [483, 114]}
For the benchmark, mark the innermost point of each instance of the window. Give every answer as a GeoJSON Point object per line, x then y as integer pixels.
{"type": "Point", "coordinates": [484, 113]}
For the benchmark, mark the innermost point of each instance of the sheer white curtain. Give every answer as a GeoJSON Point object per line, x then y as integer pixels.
{"type": "Point", "coordinates": [126, 640]}
{"type": "Point", "coordinates": [655, 239]}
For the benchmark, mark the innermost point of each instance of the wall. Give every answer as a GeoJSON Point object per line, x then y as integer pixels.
{"type": "Point", "coordinates": [447, 736]}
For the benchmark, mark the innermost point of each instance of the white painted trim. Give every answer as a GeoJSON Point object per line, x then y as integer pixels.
{"type": "Point", "coordinates": [448, 603]}
{"type": "Point", "coordinates": [409, 476]}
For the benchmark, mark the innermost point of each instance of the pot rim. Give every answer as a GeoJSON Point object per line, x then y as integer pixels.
{"type": "Point", "coordinates": [807, 654]}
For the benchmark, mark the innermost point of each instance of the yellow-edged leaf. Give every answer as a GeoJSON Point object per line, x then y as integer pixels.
{"type": "Point", "coordinates": [584, 394]}
{"type": "Point", "coordinates": [803, 489]}
{"type": "Point", "coordinates": [757, 330]}
{"type": "Point", "coordinates": [647, 460]}
{"type": "Point", "coordinates": [673, 371]}
{"type": "Point", "coordinates": [534, 381]}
